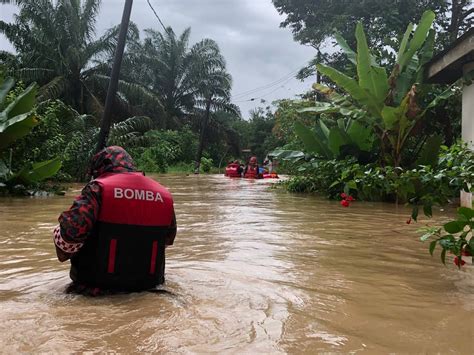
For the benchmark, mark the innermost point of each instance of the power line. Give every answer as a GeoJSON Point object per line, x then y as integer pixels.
{"type": "Point", "coordinates": [266, 94]}
{"type": "Point", "coordinates": [156, 15]}
{"type": "Point", "coordinates": [266, 86]}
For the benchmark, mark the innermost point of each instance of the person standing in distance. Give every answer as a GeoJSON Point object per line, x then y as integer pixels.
{"type": "Point", "coordinates": [117, 229]}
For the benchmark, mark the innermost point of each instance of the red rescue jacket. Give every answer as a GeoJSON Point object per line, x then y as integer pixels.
{"type": "Point", "coordinates": [232, 170]}
{"type": "Point", "coordinates": [127, 247]}
{"type": "Point", "coordinates": [251, 172]}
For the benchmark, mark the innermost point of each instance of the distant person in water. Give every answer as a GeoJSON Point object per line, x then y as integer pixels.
{"type": "Point", "coordinates": [241, 167]}
{"type": "Point", "coordinates": [252, 170]}
{"type": "Point", "coordinates": [117, 229]}
{"type": "Point", "coordinates": [233, 169]}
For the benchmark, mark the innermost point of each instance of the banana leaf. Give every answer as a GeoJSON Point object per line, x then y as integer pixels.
{"type": "Point", "coordinates": [350, 54]}
{"type": "Point", "coordinates": [371, 78]}
{"type": "Point", "coordinates": [37, 171]}
{"type": "Point", "coordinates": [5, 87]}
{"type": "Point", "coordinates": [418, 39]}
{"type": "Point", "coordinates": [293, 155]}
{"type": "Point", "coordinates": [17, 120]}
{"type": "Point", "coordinates": [430, 151]}
{"type": "Point", "coordinates": [311, 142]}
{"type": "Point", "coordinates": [337, 139]}
{"type": "Point", "coordinates": [404, 43]}
{"type": "Point", "coordinates": [352, 88]}
{"type": "Point", "coordinates": [361, 136]}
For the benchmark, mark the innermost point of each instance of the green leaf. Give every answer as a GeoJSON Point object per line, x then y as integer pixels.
{"type": "Point", "coordinates": [425, 55]}
{"type": "Point", "coordinates": [324, 129]}
{"type": "Point", "coordinates": [414, 213]}
{"type": "Point", "coordinates": [22, 104]}
{"type": "Point", "coordinates": [371, 78]}
{"type": "Point", "coordinates": [390, 116]}
{"type": "Point", "coordinates": [5, 87]}
{"type": "Point", "coordinates": [430, 150]}
{"type": "Point", "coordinates": [287, 154]}
{"type": "Point", "coordinates": [443, 256]}
{"type": "Point", "coordinates": [38, 171]}
{"type": "Point", "coordinates": [322, 107]}
{"type": "Point", "coordinates": [337, 138]}
{"type": "Point", "coordinates": [466, 212]}
{"type": "Point", "coordinates": [352, 185]}
{"type": "Point", "coordinates": [403, 44]}
{"type": "Point", "coordinates": [428, 210]}
{"type": "Point", "coordinates": [4, 171]}
{"type": "Point", "coordinates": [426, 236]}
{"type": "Point", "coordinates": [418, 39]}
{"type": "Point", "coordinates": [311, 143]}
{"type": "Point", "coordinates": [362, 136]}
{"type": "Point", "coordinates": [433, 246]}
{"type": "Point", "coordinates": [352, 88]}
{"type": "Point", "coordinates": [351, 55]}
{"type": "Point", "coordinates": [15, 128]}
{"type": "Point", "coordinates": [453, 227]}
{"type": "Point", "coordinates": [446, 94]}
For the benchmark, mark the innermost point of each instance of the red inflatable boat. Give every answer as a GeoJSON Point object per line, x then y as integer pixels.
{"type": "Point", "coordinates": [232, 170]}
{"type": "Point", "coordinates": [270, 176]}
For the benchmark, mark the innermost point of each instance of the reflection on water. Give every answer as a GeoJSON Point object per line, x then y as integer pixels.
{"type": "Point", "coordinates": [252, 270]}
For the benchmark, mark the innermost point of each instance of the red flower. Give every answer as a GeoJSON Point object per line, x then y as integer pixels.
{"type": "Point", "coordinates": [345, 203]}
{"type": "Point", "coordinates": [350, 198]}
{"type": "Point", "coordinates": [458, 262]}
{"type": "Point", "coordinates": [343, 195]}
{"type": "Point", "coordinates": [409, 220]}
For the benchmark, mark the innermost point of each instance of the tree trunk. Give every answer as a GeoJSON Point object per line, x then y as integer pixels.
{"type": "Point", "coordinates": [197, 162]}
{"type": "Point", "coordinates": [456, 19]}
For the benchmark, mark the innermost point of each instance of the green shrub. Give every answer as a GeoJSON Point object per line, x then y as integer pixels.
{"type": "Point", "coordinates": [206, 164]}
{"type": "Point", "coordinates": [424, 185]}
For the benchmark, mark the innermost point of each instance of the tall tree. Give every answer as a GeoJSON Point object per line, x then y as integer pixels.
{"type": "Point", "coordinates": [167, 66]}
{"type": "Point", "coordinates": [214, 95]}
{"type": "Point", "coordinates": [314, 22]}
{"type": "Point", "coordinates": [55, 46]}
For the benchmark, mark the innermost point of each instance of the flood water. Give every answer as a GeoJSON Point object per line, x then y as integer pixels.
{"type": "Point", "coordinates": [253, 270]}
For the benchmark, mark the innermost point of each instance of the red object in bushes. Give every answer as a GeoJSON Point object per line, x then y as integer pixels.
{"type": "Point", "coordinates": [345, 203]}
{"type": "Point", "coordinates": [457, 261]}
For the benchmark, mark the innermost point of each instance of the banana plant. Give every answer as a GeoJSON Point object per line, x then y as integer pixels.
{"type": "Point", "coordinates": [348, 138]}
{"type": "Point", "coordinates": [17, 119]}
{"type": "Point", "coordinates": [387, 103]}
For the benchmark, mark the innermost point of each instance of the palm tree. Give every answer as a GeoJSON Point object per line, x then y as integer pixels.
{"type": "Point", "coordinates": [55, 46]}
{"type": "Point", "coordinates": [168, 67]}
{"type": "Point", "coordinates": [214, 96]}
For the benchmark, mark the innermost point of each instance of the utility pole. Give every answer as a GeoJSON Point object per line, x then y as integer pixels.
{"type": "Point", "coordinates": [114, 76]}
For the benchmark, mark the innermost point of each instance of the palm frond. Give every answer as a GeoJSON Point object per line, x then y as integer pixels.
{"type": "Point", "coordinates": [53, 90]}
{"type": "Point", "coordinates": [131, 131]}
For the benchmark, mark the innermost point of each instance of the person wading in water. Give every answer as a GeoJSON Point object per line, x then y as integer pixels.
{"type": "Point", "coordinates": [117, 229]}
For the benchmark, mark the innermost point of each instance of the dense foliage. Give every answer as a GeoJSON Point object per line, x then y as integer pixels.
{"type": "Point", "coordinates": [314, 22]}
{"type": "Point", "coordinates": [17, 119]}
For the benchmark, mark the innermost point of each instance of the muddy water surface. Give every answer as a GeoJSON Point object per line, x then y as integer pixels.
{"type": "Point", "coordinates": [252, 270]}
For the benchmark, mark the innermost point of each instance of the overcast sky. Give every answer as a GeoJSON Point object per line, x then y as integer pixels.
{"type": "Point", "coordinates": [258, 52]}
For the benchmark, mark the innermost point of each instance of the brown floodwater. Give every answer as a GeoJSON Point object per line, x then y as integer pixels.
{"type": "Point", "coordinates": [253, 270]}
